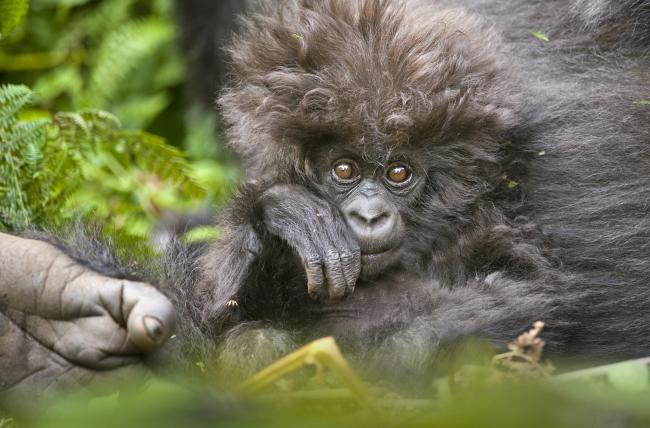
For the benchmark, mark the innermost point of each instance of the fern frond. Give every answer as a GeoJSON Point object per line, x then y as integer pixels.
{"type": "Point", "coordinates": [153, 154]}
{"type": "Point", "coordinates": [12, 99]}
{"type": "Point", "coordinates": [120, 53]}
{"type": "Point", "coordinates": [17, 138]}
{"type": "Point", "coordinates": [139, 112]}
{"type": "Point", "coordinates": [96, 23]}
{"type": "Point", "coordinates": [28, 132]}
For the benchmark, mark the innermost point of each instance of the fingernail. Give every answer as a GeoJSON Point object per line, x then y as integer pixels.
{"type": "Point", "coordinates": [154, 328]}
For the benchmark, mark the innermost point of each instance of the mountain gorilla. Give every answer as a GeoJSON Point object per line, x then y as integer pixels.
{"type": "Point", "coordinates": [395, 151]}
{"type": "Point", "coordinates": [415, 179]}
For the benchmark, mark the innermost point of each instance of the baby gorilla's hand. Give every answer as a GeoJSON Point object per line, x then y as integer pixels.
{"type": "Point", "coordinates": [62, 324]}
{"type": "Point", "coordinates": [320, 236]}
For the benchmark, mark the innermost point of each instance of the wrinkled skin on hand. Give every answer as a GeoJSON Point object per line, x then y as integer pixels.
{"type": "Point", "coordinates": [318, 233]}
{"type": "Point", "coordinates": [63, 325]}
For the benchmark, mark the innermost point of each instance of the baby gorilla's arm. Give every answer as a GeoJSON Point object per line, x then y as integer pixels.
{"type": "Point", "coordinates": [62, 324]}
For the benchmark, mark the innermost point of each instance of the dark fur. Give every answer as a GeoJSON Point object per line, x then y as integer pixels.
{"type": "Point", "coordinates": [205, 27]}
{"type": "Point", "coordinates": [488, 259]}
{"type": "Point", "coordinates": [483, 106]}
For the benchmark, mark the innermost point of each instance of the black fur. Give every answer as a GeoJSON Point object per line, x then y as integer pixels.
{"type": "Point", "coordinates": [205, 28]}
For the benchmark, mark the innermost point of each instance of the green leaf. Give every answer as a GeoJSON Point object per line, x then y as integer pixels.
{"type": "Point", "coordinates": [139, 112]}
{"type": "Point", "coordinates": [643, 102]}
{"type": "Point", "coordinates": [201, 234]}
{"type": "Point", "coordinates": [540, 35]}
{"type": "Point", "coordinates": [11, 13]}
{"type": "Point", "coordinates": [631, 376]}
{"type": "Point", "coordinates": [61, 80]}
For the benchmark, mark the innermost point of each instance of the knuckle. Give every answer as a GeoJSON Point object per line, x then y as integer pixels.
{"type": "Point", "coordinates": [313, 261]}
{"type": "Point", "coordinates": [347, 257]}
{"type": "Point", "coordinates": [333, 256]}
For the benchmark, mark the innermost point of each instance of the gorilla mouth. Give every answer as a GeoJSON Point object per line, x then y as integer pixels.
{"type": "Point", "coordinates": [376, 253]}
{"type": "Point", "coordinates": [376, 249]}
{"type": "Point", "coordinates": [376, 262]}
{"type": "Point", "coordinates": [377, 259]}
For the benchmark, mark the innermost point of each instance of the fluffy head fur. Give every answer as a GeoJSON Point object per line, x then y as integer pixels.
{"type": "Point", "coordinates": [366, 72]}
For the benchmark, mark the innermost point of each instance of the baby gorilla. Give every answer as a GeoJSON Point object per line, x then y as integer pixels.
{"type": "Point", "coordinates": [375, 137]}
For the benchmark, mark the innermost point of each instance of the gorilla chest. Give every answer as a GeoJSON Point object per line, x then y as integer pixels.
{"type": "Point", "coordinates": [370, 312]}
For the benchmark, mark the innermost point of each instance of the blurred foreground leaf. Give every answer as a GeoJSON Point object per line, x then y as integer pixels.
{"type": "Point", "coordinates": [11, 13]}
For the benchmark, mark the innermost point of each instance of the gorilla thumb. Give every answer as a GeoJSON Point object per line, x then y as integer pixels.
{"type": "Point", "coordinates": [151, 319]}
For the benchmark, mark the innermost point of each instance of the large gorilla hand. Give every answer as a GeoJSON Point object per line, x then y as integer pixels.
{"type": "Point", "coordinates": [61, 324]}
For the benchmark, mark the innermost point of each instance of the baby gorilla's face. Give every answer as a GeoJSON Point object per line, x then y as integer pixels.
{"type": "Point", "coordinates": [373, 196]}
{"type": "Point", "coordinates": [402, 202]}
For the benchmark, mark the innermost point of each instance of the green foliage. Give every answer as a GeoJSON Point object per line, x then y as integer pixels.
{"type": "Point", "coordinates": [22, 145]}
{"type": "Point", "coordinates": [535, 403]}
{"type": "Point", "coordinates": [88, 57]}
{"type": "Point", "coordinates": [85, 163]}
{"type": "Point", "coordinates": [11, 12]}
{"type": "Point", "coordinates": [116, 55]}
{"type": "Point", "coordinates": [7, 423]}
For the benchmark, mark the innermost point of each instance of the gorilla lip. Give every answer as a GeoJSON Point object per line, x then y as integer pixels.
{"type": "Point", "coordinates": [375, 253]}
{"type": "Point", "coordinates": [376, 256]}
{"type": "Point", "coordinates": [373, 264]}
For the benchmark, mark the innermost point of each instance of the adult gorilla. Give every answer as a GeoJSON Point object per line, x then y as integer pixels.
{"type": "Point", "coordinates": [400, 165]}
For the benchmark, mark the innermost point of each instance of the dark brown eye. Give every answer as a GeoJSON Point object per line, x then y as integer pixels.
{"type": "Point", "coordinates": [398, 174]}
{"type": "Point", "coordinates": [345, 170]}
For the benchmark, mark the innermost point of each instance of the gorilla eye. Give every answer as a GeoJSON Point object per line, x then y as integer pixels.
{"type": "Point", "coordinates": [398, 174]}
{"type": "Point", "coordinates": [345, 171]}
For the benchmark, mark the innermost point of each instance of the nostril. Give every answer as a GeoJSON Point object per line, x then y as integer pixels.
{"type": "Point", "coordinates": [369, 219]}
{"type": "Point", "coordinates": [358, 218]}
{"type": "Point", "coordinates": [378, 219]}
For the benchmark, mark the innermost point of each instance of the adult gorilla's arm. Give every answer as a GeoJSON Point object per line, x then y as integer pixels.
{"type": "Point", "coordinates": [494, 308]}
{"type": "Point", "coordinates": [62, 324]}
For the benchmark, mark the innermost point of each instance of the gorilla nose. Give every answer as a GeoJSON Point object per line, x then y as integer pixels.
{"type": "Point", "coordinates": [373, 221]}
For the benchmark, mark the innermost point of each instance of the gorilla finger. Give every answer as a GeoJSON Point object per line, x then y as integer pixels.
{"type": "Point", "coordinates": [336, 281]}
{"type": "Point", "coordinates": [150, 316]}
{"type": "Point", "coordinates": [315, 277]}
{"type": "Point", "coordinates": [351, 264]}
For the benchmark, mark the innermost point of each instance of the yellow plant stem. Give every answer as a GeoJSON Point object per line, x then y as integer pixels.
{"type": "Point", "coordinates": [322, 352]}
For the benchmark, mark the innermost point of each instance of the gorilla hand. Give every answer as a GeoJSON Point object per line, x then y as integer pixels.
{"type": "Point", "coordinates": [62, 324]}
{"type": "Point", "coordinates": [319, 234]}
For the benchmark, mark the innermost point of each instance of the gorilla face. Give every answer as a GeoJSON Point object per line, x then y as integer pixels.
{"type": "Point", "coordinates": [376, 194]}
